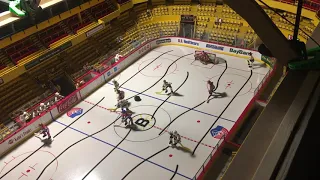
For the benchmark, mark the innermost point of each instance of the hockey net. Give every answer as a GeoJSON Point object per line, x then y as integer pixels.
{"type": "Point", "coordinates": [205, 57]}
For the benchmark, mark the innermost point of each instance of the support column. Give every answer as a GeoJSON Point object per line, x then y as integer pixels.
{"type": "Point", "coordinates": [268, 32]}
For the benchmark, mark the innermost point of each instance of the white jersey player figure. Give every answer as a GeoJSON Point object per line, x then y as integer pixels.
{"type": "Point", "coordinates": [44, 130]}
{"type": "Point", "coordinates": [250, 62]}
{"type": "Point", "coordinates": [116, 85]}
{"type": "Point", "coordinates": [57, 97]}
{"type": "Point", "coordinates": [42, 107]}
{"type": "Point", "coordinates": [175, 138]}
{"type": "Point", "coordinates": [117, 57]}
{"type": "Point", "coordinates": [24, 117]}
{"type": "Point", "coordinates": [166, 85]}
{"type": "Point", "coordinates": [35, 113]}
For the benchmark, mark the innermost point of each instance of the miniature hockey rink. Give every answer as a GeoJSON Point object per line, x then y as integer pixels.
{"type": "Point", "coordinates": [116, 152]}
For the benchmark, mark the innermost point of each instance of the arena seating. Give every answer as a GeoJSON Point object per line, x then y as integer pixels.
{"type": "Point", "coordinates": [181, 9]}
{"type": "Point", "coordinates": [16, 93]}
{"type": "Point", "coordinates": [80, 54]}
{"type": "Point", "coordinates": [75, 24]}
{"type": "Point", "coordinates": [52, 34]}
{"type": "Point", "coordinates": [21, 49]}
{"type": "Point", "coordinates": [100, 10]}
{"type": "Point", "coordinates": [4, 61]}
{"type": "Point", "coordinates": [126, 20]}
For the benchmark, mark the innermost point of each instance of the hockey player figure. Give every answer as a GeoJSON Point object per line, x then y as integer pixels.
{"type": "Point", "coordinates": [120, 95]}
{"type": "Point", "coordinates": [44, 130]}
{"type": "Point", "coordinates": [42, 107]}
{"type": "Point", "coordinates": [166, 85]}
{"type": "Point", "coordinates": [211, 87]}
{"type": "Point", "coordinates": [250, 62]}
{"type": "Point", "coordinates": [127, 117]}
{"type": "Point", "coordinates": [117, 57]}
{"type": "Point", "coordinates": [175, 138]}
{"type": "Point", "coordinates": [116, 85]}
{"type": "Point", "coordinates": [123, 104]}
{"type": "Point", "coordinates": [57, 97]}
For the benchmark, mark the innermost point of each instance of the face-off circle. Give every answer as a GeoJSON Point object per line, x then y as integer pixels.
{"type": "Point", "coordinates": [143, 122]}
{"type": "Point", "coordinates": [157, 68]}
{"type": "Point", "coordinates": [230, 83]}
{"type": "Point", "coordinates": [146, 127]}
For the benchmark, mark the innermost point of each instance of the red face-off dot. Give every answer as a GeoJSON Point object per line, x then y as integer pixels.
{"type": "Point", "coordinates": [28, 170]}
{"type": "Point", "coordinates": [170, 155]}
{"type": "Point", "coordinates": [88, 122]}
{"type": "Point", "coordinates": [229, 84]}
{"type": "Point", "coordinates": [198, 121]}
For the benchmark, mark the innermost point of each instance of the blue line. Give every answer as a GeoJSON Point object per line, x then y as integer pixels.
{"type": "Point", "coordinates": [121, 149]}
{"type": "Point", "coordinates": [174, 103]}
{"type": "Point", "coordinates": [51, 116]}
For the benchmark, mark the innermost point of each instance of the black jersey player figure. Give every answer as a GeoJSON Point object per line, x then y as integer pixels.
{"type": "Point", "coordinates": [167, 85]}
{"type": "Point", "coordinates": [211, 89]}
{"type": "Point", "coordinates": [175, 139]}
{"type": "Point", "coordinates": [116, 85]}
{"type": "Point", "coordinates": [120, 95]}
{"type": "Point", "coordinates": [250, 62]}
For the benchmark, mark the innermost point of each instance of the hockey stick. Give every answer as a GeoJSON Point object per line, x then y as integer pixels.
{"type": "Point", "coordinates": [159, 92]}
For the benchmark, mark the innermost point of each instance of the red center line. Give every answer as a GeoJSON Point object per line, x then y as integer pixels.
{"type": "Point", "coordinates": [158, 66]}
{"type": "Point", "coordinates": [159, 128]}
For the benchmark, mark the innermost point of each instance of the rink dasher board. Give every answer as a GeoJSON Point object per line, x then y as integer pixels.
{"type": "Point", "coordinates": [74, 98]}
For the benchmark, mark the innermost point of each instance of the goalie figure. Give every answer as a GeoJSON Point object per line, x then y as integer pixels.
{"type": "Point", "coordinates": [116, 85]}
{"type": "Point", "coordinates": [44, 130]}
{"type": "Point", "coordinates": [175, 138]}
{"type": "Point", "coordinates": [166, 85]}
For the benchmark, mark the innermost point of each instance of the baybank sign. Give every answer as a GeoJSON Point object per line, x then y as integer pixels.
{"type": "Point", "coordinates": [240, 51]}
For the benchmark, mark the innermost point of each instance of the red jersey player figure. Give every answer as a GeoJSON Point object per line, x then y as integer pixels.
{"type": "Point", "coordinates": [211, 89]}
{"type": "Point", "coordinates": [44, 130]}
{"type": "Point", "coordinates": [126, 117]}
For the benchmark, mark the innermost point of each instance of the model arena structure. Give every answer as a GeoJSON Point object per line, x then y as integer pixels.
{"type": "Point", "coordinates": [131, 89]}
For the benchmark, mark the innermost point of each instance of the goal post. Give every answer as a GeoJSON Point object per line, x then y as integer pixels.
{"type": "Point", "coordinates": [213, 58]}
{"type": "Point", "coordinates": [205, 57]}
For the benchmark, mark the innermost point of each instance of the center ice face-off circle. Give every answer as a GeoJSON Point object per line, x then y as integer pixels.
{"type": "Point", "coordinates": [146, 127]}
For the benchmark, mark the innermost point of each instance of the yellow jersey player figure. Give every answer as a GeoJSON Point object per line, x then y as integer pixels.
{"type": "Point", "coordinates": [166, 85]}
